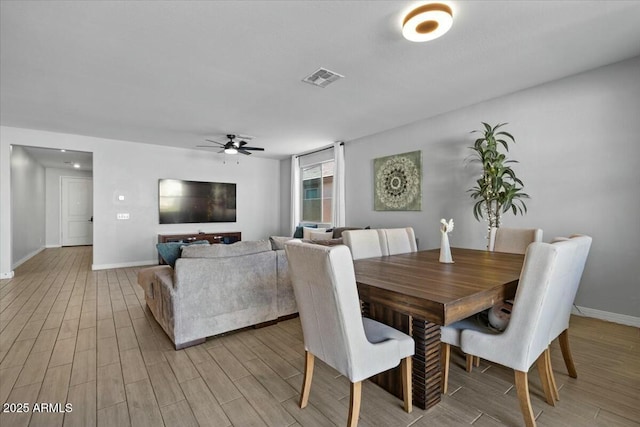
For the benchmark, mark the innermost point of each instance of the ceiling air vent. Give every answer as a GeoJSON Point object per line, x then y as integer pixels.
{"type": "Point", "coordinates": [322, 77]}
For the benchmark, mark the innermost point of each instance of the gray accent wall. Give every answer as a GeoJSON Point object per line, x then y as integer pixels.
{"type": "Point", "coordinates": [578, 144]}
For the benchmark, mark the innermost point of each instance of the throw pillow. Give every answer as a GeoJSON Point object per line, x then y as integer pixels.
{"type": "Point", "coordinates": [306, 231]}
{"type": "Point", "coordinates": [170, 251]}
{"type": "Point", "coordinates": [321, 235]}
{"type": "Point", "coordinates": [299, 233]}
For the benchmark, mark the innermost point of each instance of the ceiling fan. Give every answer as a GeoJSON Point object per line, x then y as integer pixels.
{"type": "Point", "coordinates": [235, 145]}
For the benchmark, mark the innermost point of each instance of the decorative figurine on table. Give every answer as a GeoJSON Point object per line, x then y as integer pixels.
{"type": "Point", "coordinates": [445, 249]}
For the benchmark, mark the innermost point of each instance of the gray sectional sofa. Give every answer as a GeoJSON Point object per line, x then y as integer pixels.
{"type": "Point", "coordinates": [215, 289]}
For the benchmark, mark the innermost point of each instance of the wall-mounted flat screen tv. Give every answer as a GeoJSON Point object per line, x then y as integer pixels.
{"type": "Point", "coordinates": [183, 202]}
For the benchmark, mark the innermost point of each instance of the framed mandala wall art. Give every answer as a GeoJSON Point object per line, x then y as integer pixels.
{"type": "Point", "coordinates": [398, 182]}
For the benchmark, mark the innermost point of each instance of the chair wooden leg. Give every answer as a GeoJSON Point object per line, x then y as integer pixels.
{"type": "Point", "coordinates": [566, 353]}
{"type": "Point", "coordinates": [406, 384]}
{"type": "Point", "coordinates": [543, 371]}
{"type": "Point", "coordinates": [446, 359]}
{"type": "Point", "coordinates": [552, 377]}
{"type": "Point", "coordinates": [308, 376]}
{"type": "Point", "coordinates": [469, 362]}
{"type": "Point", "coordinates": [522, 388]}
{"type": "Point", "coordinates": [354, 404]}
{"type": "Point", "coordinates": [476, 361]}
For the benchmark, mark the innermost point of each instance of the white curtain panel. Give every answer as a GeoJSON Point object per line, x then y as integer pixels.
{"type": "Point", "coordinates": [339, 209]}
{"type": "Point", "coordinates": [295, 192]}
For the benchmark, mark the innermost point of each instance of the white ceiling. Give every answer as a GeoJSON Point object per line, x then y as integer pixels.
{"type": "Point", "coordinates": [177, 72]}
{"type": "Point", "coordinates": [59, 159]}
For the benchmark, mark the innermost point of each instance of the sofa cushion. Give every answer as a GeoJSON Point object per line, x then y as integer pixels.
{"type": "Point", "coordinates": [221, 251]}
{"type": "Point", "coordinates": [277, 242]}
{"type": "Point", "coordinates": [224, 294]}
{"type": "Point", "coordinates": [170, 251]}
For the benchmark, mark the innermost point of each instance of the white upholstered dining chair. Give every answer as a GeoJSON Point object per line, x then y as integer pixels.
{"type": "Point", "coordinates": [546, 276]}
{"type": "Point", "coordinates": [324, 284]}
{"type": "Point", "coordinates": [511, 240]}
{"type": "Point", "coordinates": [400, 240]}
{"type": "Point", "coordinates": [365, 243]}
{"type": "Point", "coordinates": [560, 325]}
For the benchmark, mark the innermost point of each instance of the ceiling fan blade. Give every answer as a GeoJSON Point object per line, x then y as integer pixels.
{"type": "Point", "coordinates": [211, 140]}
{"type": "Point", "coordinates": [243, 151]}
{"type": "Point", "coordinates": [253, 148]}
{"type": "Point", "coordinates": [205, 146]}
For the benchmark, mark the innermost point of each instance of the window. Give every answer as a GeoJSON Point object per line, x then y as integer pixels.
{"type": "Point", "coordinates": [317, 187]}
{"type": "Point", "coordinates": [317, 192]}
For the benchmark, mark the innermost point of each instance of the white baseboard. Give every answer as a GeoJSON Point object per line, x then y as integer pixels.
{"type": "Point", "coordinates": [53, 246]}
{"type": "Point", "coordinates": [8, 275]}
{"type": "Point", "coordinates": [123, 265]}
{"type": "Point", "coordinates": [622, 319]}
{"type": "Point", "coordinates": [27, 258]}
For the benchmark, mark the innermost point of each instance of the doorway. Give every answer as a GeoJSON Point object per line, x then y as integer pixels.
{"type": "Point", "coordinates": [35, 195]}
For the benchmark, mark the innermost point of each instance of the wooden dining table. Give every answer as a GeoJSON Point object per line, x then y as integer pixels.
{"type": "Point", "coordinates": [417, 294]}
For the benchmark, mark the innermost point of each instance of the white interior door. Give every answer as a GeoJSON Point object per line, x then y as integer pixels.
{"type": "Point", "coordinates": [77, 211]}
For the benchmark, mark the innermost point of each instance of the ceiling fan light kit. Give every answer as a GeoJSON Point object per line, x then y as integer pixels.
{"type": "Point", "coordinates": [427, 22]}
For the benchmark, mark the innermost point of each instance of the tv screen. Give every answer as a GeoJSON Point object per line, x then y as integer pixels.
{"type": "Point", "coordinates": [193, 201]}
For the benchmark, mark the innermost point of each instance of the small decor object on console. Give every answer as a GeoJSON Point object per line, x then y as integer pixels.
{"type": "Point", "coordinates": [445, 249]}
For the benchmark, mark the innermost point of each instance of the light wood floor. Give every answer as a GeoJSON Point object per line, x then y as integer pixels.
{"type": "Point", "coordinates": [70, 335]}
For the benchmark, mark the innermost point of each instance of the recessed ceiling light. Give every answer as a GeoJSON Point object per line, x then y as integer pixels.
{"type": "Point", "coordinates": [63, 151]}
{"type": "Point", "coordinates": [76, 165]}
{"type": "Point", "coordinates": [427, 22]}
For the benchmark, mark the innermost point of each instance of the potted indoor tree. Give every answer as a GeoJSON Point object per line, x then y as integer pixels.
{"type": "Point", "coordinates": [498, 190]}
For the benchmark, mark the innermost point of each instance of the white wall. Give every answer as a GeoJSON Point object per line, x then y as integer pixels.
{"type": "Point", "coordinates": [27, 205]}
{"type": "Point", "coordinates": [578, 146]}
{"type": "Point", "coordinates": [53, 189]}
{"type": "Point", "coordinates": [132, 170]}
{"type": "Point", "coordinates": [285, 191]}
{"type": "Point", "coordinates": [6, 271]}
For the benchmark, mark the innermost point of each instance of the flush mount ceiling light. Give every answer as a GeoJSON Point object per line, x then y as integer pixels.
{"type": "Point", "coordinates": [427, 22]}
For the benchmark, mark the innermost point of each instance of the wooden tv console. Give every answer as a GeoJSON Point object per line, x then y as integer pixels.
{"type": "Point", "coordinates": [213, 238]}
